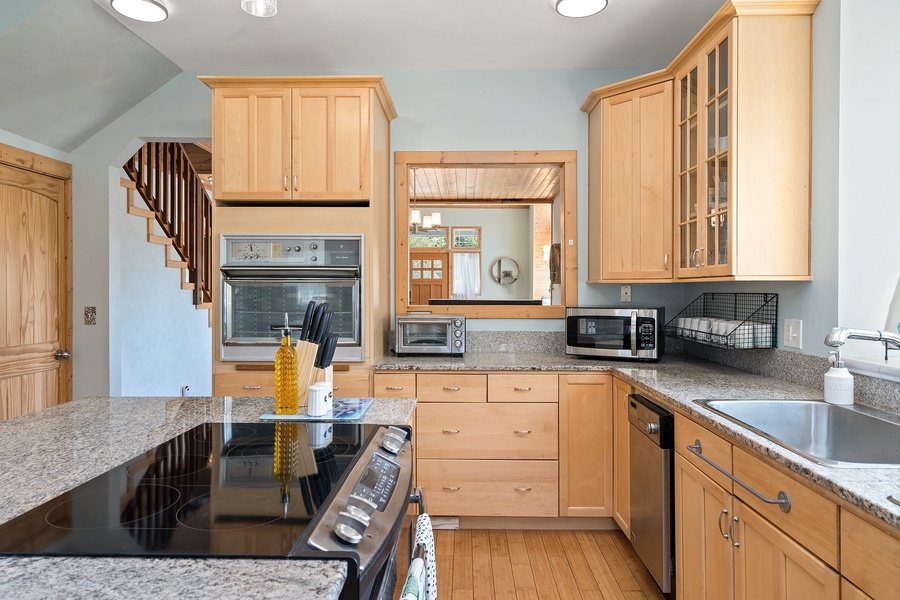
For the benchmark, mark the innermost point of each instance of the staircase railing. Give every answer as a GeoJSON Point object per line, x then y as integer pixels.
{"type": "Point", "coordinates": [174, 192]}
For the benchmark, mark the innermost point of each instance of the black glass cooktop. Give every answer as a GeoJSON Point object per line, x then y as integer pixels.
{"type": "Point", "coordinates": [220, 489]}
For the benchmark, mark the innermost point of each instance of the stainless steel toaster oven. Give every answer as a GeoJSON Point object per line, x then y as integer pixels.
{"type": "Point", "coordinates": [430, 334]}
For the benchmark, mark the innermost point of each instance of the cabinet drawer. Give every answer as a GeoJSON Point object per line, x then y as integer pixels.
{"type": "Point", "coordinates": [484, 431]}
{"type": "Point", "coordinates": [350, 385]}
{"type": "Point", "coordinates": [511, 387]}
{"type": "Point", "coordinates": [812, 520]}
{"type": "Point", "coordinates": [501, 488]}
{"type": "Point", "coordinates": [248, 383]}
{"type": "Point", "coordinates": [869, 556]}
{"type": "Point", "coordinates": [395, 385]}
{"type": "Point", "coordinates": [715, 448]}
{"type": "Point", "coordinates": [451, 388]}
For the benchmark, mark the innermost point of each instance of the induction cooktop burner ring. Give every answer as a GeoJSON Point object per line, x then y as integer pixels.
{"type": "Point", "coordinates": [194, 463]}
{"type": "Point", "coordinates": [56, 513]}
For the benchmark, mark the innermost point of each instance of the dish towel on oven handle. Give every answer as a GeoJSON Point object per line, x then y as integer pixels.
{"type": "Point", "coordinates": [425, 537]}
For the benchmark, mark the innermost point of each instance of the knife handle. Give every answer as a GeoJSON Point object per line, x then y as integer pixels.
{"type": "Point", "coordinates": [307, 320]}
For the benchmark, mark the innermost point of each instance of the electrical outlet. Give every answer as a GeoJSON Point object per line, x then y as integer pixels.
{"type": "Point", "coordinates": [625, 293]}
{"type": "Point", "coordinates": [793, 333]}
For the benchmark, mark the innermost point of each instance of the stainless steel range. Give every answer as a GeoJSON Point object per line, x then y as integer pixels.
{"type": "Point", "coordinates": [266, 276]}
{"type": "Point", "coordinates": [327, 491]}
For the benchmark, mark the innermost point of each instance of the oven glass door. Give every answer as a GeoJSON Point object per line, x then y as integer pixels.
{"type": "Point", "coordinates": [433, 335]}
{"type": "Point", "coordinates": [599, 332]}
{"type": "Point", "coordinates": [253, 314]}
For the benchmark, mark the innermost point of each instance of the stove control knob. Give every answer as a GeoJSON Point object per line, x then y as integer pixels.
{"type": "Point", "coordinates": [314, 258]}
{"type": "Point", "coordinates": [391, 443]}
{"type": "Point", "coordinates": [350, 527]}
{"type": "Point", "coordinates": [296, 248]}
{"type": "Point", "coordinates": [314, 246]}
{"type": "Point", "coordinates": [347, 533]}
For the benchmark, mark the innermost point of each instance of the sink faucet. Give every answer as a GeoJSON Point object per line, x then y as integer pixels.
{"type": "Point", "coordinates": [839, 335]}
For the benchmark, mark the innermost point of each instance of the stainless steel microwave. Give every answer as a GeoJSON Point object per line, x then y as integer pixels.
{"type": "Point", "coordinates": [615, 332]}
{"type": "Point", "coordinates": [430, 334]}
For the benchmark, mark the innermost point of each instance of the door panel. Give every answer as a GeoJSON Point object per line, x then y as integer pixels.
{"type": "Point", "coordinates": [34, 296]}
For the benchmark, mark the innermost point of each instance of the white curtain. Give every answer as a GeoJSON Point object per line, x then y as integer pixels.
{"type": "Point", "coordinates": [466, 275]}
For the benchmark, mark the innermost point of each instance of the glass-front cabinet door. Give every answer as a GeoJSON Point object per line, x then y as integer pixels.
{"type": "Point", "coordinates": [703, 130]}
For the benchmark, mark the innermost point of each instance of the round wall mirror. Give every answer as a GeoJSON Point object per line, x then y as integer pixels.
{"type": "Point", "coordinates": [505, 270]}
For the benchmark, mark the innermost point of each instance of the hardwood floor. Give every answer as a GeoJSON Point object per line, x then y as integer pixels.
{"type": "Point", "coordinates": [517, 564]}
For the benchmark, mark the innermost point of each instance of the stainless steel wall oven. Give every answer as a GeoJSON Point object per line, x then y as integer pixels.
{"type": "Point", "coordinates": [265, 276]}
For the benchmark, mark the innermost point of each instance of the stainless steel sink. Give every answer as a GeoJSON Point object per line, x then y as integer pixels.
{"type": "Point", "coordinates": [836, 436]}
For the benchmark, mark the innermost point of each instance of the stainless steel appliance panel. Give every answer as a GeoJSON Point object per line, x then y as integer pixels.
{"type": "Point", "coordinates": [651, 469]}
{"type": "Point", "coordinates": [615, 332]}
{"type": "Point", "coordinates": [430, 334]}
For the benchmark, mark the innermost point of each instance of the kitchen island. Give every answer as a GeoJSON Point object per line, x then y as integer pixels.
{"type": "Point", "coordinates": [52, 451]}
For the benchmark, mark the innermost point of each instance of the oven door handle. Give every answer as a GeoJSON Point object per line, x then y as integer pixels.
{"type": "Point", "coordinates": [256, 272]}
{"type": "Point", "coordinates": [634, 348]}
{"type": "Point", "coordinates": [267, 280]}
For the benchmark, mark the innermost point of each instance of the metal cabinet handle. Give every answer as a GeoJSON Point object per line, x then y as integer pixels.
{"type": "Point", "coordinates": [252, 387]}
{"type": "Point", "coordinates": [451, 389]}
{"type": "Point", "coordinates": [523, 489]}
{"type": "Point", "coordinates": [734, 542]}
{"type": "Point", "coordinates": [335, 388]}
{"type": "Point", "coordinates": [666, 261]}
{"type": "Point", "coordinates": [295, 183]}
{"type": "Point", "coordinates": [724, 533]}
{"type": "Point", "coordinates": [450, 431]}
{"type": "Point", "coordinates": [285, 183]}
{"type": "Point", "coordinates": [62, 355]}
{"type": "Point", "coordinates": [451, 488]}
{"type": "Point", "coordinates": [694, 257]}
{"type": "Point", "coordinates": [522, 431]}
{"type": "Point", "coordinates": [702, 264]}
{"type": "Point", "coordinates": [782, 500]}
{"type": "Point", "coordinates": [521, 389]}
{"type": "Point", "coordinates": [393, 387]}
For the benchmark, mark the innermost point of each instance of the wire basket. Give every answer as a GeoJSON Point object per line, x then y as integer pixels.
{"type": "Point", "coordinates": [730, 320]}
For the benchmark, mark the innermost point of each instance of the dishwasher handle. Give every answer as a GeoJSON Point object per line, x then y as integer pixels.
{"type": "Point", "coordinates": [783, 500]}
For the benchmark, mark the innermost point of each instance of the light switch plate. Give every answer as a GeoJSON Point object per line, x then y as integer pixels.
{"type": "Point", "coordinates": [793, 333]}
{"type": "Point", "coordinates": [625, 293]}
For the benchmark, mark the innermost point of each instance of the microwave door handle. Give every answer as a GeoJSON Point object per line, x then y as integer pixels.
{"type": "Point", "coordinates": [634, 333]}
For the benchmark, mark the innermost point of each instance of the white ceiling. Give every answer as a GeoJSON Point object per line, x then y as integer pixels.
{"type": "Point", "coordinates": [71, 67]}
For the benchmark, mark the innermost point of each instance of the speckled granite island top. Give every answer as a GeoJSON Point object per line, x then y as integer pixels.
{"type": "Point", "coordinates": [680, 380]}
{"type": "Point", "coordinates": [49, 452]}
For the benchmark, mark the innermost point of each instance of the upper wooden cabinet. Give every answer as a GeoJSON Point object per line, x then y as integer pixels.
{"type": "Point", "coordinates": [297, 138]}
{"type": "Point", "coordinates": [740, 151]}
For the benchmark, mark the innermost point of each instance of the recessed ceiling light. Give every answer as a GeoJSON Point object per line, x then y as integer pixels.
{"type": "Point", "coordinates": [260, 8]}
{"type": "Point", "coordinates": [579, 8]}
{"type": "Point", "coordinates": [148, 11]}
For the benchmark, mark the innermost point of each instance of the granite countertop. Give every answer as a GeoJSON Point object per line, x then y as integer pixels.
{"type": "Point", "coordinates": [51, 451]}
{"type": "Point", "coordinates": [679, 380]}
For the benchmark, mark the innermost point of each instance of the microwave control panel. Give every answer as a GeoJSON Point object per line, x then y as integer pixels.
{"type": "Point", "coordinates": [646, 333]}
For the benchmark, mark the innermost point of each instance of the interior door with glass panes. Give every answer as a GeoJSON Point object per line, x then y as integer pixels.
{"type": "Point", "coordinates": [703, 190]}
{"type": "Point", "coordinates": [428, 275]}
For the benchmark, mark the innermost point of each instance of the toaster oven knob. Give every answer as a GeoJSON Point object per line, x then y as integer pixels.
{"type": "Point", "coordinates": [457, 333]}
{"type": "Point", "coordinates": [457, 344]}
{"type": "Point", "coordinates": [457, 322]}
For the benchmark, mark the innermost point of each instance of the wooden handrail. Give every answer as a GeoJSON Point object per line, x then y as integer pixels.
{"type": "Point", "coordinates": [174, 192]}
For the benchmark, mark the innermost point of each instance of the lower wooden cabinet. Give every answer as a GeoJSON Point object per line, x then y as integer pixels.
{"type": "Point", "coordinates": [244, 383]}
{"type": "Point", "coordinates": [502, 488]}
{"type": "Point", "coordinates": [585, 445]}
{"type": "Point", "coordinates": [870, 556]}
{"type": "Point", "coordinates": [621, 456]}
{"type": "Point", "coordinates": [350, 384]}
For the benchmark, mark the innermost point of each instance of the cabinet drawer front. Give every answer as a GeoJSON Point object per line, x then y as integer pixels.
{"type": "Point", "coordinates": [502, 488]}
{"type": "Point", "coordinates": [251, 383]}
{"type": "Point", "coordinates": [484, 431]}
{"type": "Point", "coordinates": [395, 385]}
{"type": "Point", "coordinates": [451, 388]}
{"type": "Point", "coordinates": [351, 385]}
{"type": "Point", "coordinates": [715, 448]}
{"type": "Point", "coordinates": [506, 387]}
{"type": "Point", "coordinates": [869, 556]}
{"type": "Point", "coordinates": [812, 520]}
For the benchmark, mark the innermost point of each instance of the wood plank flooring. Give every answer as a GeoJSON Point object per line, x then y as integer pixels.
{"type": "Point", "coordinates": [533, 565]}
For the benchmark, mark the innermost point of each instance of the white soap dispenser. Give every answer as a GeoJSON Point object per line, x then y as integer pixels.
{"type": "Point", "coordinates": [838, 382]}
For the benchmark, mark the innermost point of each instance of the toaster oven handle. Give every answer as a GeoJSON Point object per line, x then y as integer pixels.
{"type": "Point", "coordinates": [634, 347]}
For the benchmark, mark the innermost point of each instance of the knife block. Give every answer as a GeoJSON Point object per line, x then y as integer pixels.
{"type": "Point", "coordinates": [306, 356]}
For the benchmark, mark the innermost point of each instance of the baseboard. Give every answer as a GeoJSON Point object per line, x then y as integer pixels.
{"type": "Point", "coordinates": [598, 523]}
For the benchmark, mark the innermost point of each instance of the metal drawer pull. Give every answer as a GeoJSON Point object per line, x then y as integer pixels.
{"type": "Point", "coordinates": [285, 183]}
{"type": "Point", "coordinates": [450, 430]}
{"type": "Point", "coordinates": [522, 389]}
{"type": "Point", "coordinates": [451, 389]}
{"type": "Point", "coordinates": [783, 500]}
{"type": "Point", "coordinates": [724, 533]}
{"type": "Point", "coordinates": [295, 183]}
{"type": "Point", "coordinates": [734, 542]}
{"type": "Point", "coordinates": [523, 489]}
{"type": "Point", "coordinates": [252, 387]}
{"type": "Point", "coordinates": [393, 387]}
{"type": "Point", "coordinates": [666, 261]}
{"type": "Point", "coordinates": [522, 431]}
{"type": "Point", "coordinates": [451, 488]}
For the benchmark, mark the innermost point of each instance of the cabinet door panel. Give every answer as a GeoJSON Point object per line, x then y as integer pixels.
{"type": "Point", "coordinates": [503, 387]}
{"type": "Point", "coordinates": [703, 555]}
{"type": "Point", "coordinates": [395, 385]}
{"type": "Point", "coordinates": [870, 557]}
{"type": "Point", "coordinates": [769, 564]}
{"type": "Point", "coordinates": [621, 456]}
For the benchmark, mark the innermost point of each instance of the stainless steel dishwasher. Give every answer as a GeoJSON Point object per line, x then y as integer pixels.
{"type": "Point", "coordinates": [651, 465]}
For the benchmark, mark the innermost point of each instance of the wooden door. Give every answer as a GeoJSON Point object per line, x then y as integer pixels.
{"type": "Point", "coordinates": [636, 184]}
{"type": "Point", "coordinates": [769, 564]}
{"type": "Point", "coordinates": [428, 276]}
{"type": "Point", "coordinates": [331, 143]}
{"type": "Point", "coordinates": [35, 314]}
{"type": "Point", "coordinates": [703, 553]}
{"type": "Point", "coordinates": [252, 144]}
{"type": "Point", "coordinates": [585, 446]}
{"type": "Point", "coordinates": [621, 456]}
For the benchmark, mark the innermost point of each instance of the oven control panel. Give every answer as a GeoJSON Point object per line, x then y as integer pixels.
{"type": "Point", "coordinates": [291, 250]}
